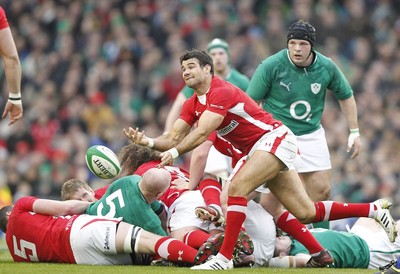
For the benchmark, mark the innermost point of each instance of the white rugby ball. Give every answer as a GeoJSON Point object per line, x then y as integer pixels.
{"type": "Point", "coordinates": [103, 162]}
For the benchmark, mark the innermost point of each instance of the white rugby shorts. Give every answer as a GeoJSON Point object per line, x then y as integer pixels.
{"type": "Point", "coordinates": [93, 241]}
{"type": "Point", "coordinates": [182, 212]}
{"type": "Point", "coordinates": [314, 152]}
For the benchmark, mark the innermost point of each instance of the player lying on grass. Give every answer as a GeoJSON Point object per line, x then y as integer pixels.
{"type": "Point", "coordinates": [365, 246]}
{"type": "Point", "coordinates": [42, 230]}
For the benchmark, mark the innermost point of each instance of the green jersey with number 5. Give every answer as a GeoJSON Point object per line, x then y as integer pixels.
{"type": "Point", "coordinates": [123, 198]}
{"type": "Point", "coordinates": [295, 95]}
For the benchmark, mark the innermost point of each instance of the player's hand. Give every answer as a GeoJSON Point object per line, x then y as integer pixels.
{"type": "Point", "coordinates": [15, 110]}
{"type": "Point", "coordinates": [354, 141]}
{"type": "Point", "coordinates": [179, 184]}
{"type": "Point", "coordinates": [166, 159]}
{"type": "Point", "coordinates": [136, 137]}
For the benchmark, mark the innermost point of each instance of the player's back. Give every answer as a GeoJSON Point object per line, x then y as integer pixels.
{"type": "Point", "coordinates": [123, 198]}
{"type": "Point", "coordinates": [34, 237]}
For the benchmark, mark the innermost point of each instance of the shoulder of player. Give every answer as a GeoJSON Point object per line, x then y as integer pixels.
{"type": "Point", "coordinates": [322, 60]}
{"type": "Point", "coordinates": [221, 85]}
{"type": "Point", "coordinates": [238, 75]}
{"type": "Point", "coordinates": [278, 61]}
{"type": "Point", "coordinates": [325, 65]}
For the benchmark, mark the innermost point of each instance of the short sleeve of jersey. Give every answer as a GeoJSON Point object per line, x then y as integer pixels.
{"type": "Point", "coordinates": [187, 113]}
{"type": "Point", "coordinates": [260, 82]}
{"type": "Point", "coordinates": [25, 203]}
{"type": "Point", "coordinates": [3, 19]}
{"type": "Point", "coordinates": [339, 86]}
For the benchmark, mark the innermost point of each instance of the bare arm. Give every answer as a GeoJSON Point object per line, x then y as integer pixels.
{"type": "Point", "coordinates": [59, 208]}
{"type": "Point", "coordinates": [11, 61]}
{"type": "Point", "coordinates": [174, 112]}
{"type": "Point", "coordinates": [208, 122]}
{"type": "Point", "coordinates": [349, 109]}
{"type": "Point", "coordinates": [198, 163]}
{"type": "Point", "coordinates": [12, 67]}
{"type": "Point", "coordinates": [300, 260]}
{"type": "Point", "coordinates": [163, 142]}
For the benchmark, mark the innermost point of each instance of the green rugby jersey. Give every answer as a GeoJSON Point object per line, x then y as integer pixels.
{"type": "Point", "coordinates": [123, 198]}
{"type": "Point", "coordinates": [234, 77]}
{"type": "Point", "coordinates": [294, 95]}
{"type": "Point", "coordinates": [347, 249]}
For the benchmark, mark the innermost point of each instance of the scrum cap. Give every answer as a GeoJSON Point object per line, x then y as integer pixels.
{"type": "Point", "coordinates": [302, 30]}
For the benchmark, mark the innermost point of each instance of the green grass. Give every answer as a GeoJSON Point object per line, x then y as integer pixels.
{"type": "Point", "coordinates": [8, 266]}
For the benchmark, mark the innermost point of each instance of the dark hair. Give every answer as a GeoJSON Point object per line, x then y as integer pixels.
{"type": "Point", "coordinates": [301, 30]}
{"type": "Point", "coordinates": [133, 156]}
{"type": "Point", "coordinates": [201, 56]}
{"type": "Point", "coordinates": [4, 214]}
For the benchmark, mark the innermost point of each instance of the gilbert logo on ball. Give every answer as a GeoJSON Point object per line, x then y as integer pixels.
{"type": "Point", "coordinates": [103, 162]}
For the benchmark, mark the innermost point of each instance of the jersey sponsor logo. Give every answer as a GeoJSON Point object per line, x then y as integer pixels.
{"type": "Point", "coordinates": [300, 116]}
{"type": "Point", "coordinates": [315, 88]}
{"type": "Point", "coordinates": [224, 131]}
{"type": "Point", "coordinates": [286, 86]}
{"type": "Point", "coordinates": [216, 106]}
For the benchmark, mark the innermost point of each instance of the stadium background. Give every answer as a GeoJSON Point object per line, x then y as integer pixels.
{"type": "Point", "coordinates": [91, 68]}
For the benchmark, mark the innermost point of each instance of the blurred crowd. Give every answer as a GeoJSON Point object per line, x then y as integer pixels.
{"type": "Point", "coordinates": [94, 67]}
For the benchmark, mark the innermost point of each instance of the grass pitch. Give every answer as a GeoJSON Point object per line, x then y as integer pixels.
{"type": "Point", "coordinates": [8, 266]}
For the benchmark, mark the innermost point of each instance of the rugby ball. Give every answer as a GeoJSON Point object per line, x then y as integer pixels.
{"type": "Point", "coordinates": [103, 162]}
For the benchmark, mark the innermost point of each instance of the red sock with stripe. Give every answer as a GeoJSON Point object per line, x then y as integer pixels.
{"type": "Point", "coordinates": [235, 216]}
{"type": "Point", "coordinates": [292, 226]}
{"type": "Point", "coordinates": [211, 190]}
{"type": "Point", "coordinates": [174, 250]}
{"type": "Point", "coordinates": [196, 238]}
{"type": "Point", "coordinates": [329, 210]}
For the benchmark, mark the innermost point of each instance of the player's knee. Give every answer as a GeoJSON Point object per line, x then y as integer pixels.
{"type": "Point", "coordinates": [320, 194]}
{"type": "Point", "coordinates": [306, 215]}
{"type": "Point", "coordinates": [325, 194]}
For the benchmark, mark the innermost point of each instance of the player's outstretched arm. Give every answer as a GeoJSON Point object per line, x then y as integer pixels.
{"type": "Point", "coordinates": [59, 208]}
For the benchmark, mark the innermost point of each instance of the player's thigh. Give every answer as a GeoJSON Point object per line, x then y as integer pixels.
{"type": "Point", "coordinates": [317, 184]}
{"type": "Point", "coordinates": [289, 190]}
{"type": "Point", "coordinates": [146, 242]}
{"type": "Point", "coordinates": [261, 167]}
